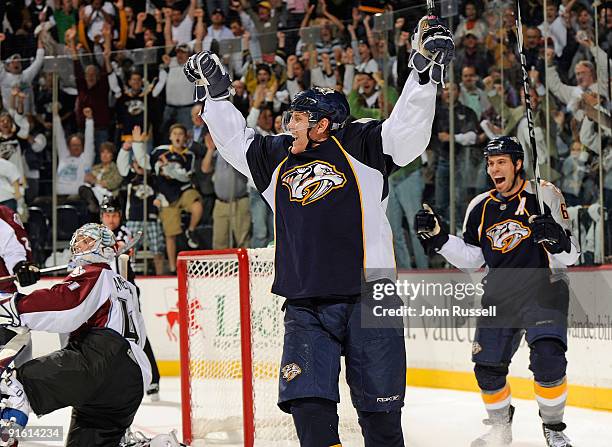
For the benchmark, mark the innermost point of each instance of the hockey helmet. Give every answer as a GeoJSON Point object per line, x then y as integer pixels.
{"type": "Point", "coordinates": [92, 243]}
{"type": "Point", "coordinates": [319, 103]}
{"type": "Point", "coordinates": [505, 146]}
{"type": "Point", "coordinates": [110, 204]}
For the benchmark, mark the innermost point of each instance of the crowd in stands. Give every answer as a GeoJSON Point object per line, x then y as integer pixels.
{"type": "Point", "coordinates": [125, 125]}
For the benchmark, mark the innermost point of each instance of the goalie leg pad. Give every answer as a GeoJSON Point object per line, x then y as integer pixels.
{"type": "Point", "coordinates": [16, 406]}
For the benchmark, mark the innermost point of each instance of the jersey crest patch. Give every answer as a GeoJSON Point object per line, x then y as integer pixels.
{"type": "Point", "coordinates": [312, 181]}
{"type": "Point", "coordinates": [291, 371]}
{"type": "Point", "coordinates": [507, 235]}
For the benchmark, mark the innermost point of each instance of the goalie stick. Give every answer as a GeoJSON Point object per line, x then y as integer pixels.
{"type": "Point", "coordinates": [127, 247]}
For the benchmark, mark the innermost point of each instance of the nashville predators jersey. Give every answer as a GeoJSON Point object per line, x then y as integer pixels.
{"type": "Point", "coordinates": [330, 201]}
{"type": "Point", "coordinates": [329, 204]}
{"type": "Point", "coordinates": [500, 227]}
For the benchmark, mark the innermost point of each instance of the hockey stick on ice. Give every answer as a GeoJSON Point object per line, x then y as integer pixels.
{"type": "Point", "coordinates": [56, 268]}
{"type": "Point", "coordinates": [530, 122]}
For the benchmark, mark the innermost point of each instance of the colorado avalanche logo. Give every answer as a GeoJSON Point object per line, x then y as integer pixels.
{"type": "Point", "coordinates": [313, 181]}
{"type": "Point", "coordinates": [507, 235]}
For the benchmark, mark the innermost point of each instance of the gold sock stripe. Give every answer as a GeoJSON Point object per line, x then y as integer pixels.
{"type": "Point", "coordinates": [500, 396]}
{"type": "Point", "coordinates": [550, 392]}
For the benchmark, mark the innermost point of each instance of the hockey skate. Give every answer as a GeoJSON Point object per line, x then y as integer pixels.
{"type": "Point", "coordinates": [153, 392]}
{"type": "Point", "coordinates": [138, 439]}
{"type": "Point", "coordinates": [500, 433]}
{"type": "Point", "coordinates": [553, 433]}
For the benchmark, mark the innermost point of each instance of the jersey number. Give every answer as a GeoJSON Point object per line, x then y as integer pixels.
{"type": "Point", "coordinates": [129, 328]}
{"type": "Point", "coordinates": [564, 211]}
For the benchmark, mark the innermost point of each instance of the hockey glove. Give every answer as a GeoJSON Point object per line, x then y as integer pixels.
{"type": "Point", "coordinates": [208, 74]}
{"type": "Point", "coordinates": [8, 310]}
{"type": "Point", "coordinates": [27, 273]}
{"type": "Point", "coordinates": [550, 234]}
{"type": "Point", "coordinates": [429, 230]}
{"type": "Point", "coordinates": [433, 50]}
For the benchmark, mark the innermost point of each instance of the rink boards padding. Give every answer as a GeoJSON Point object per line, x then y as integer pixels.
{"type": "Point", "coordinates": [437, 357]}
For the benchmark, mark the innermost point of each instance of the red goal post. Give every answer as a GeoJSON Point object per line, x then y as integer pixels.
{"type": "Point", "coordinates": [231, 337]}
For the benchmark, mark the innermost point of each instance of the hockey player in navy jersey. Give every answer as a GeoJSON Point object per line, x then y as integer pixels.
{"type": "Point", "coordinates": [526, 254]}
{"type": "Point", "coordinates": [103, 371]}
{"type": "Point", "coordinates": [326, 181]}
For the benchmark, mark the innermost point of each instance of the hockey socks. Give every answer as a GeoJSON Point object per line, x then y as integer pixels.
{"type": "Point", "coordinates": [316, 422]}
{"type": "Point", "coordinates": [381, 428]}
{"type": "Point", "coordinates": [497, 403]}
{"type": "Point", "coordinates": [551, 399]}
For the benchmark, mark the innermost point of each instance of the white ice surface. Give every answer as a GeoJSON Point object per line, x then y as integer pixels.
{"type": "Point", "coordinates": [431, 418]}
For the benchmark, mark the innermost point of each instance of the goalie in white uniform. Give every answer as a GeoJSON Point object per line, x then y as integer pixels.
{"type": "Point", "coordinates": [103, 371]}
{"type": "Point", "coordinates": [326, 181]}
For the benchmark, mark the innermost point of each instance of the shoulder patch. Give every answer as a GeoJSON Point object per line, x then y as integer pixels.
{"type": "Point", "coordinates": [73, 286]}
{"type": "Point", "coordinates": [79, 270]}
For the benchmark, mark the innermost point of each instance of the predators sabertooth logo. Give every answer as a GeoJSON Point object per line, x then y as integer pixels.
{"type": "Point", "coordinates": [507, 235]}
{"type": "Point", "coordinates": [290, 371]}
{"type": "Point", "coordinates": [313, 181]}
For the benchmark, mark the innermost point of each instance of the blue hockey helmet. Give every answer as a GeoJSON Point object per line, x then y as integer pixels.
{"type": "Point", "coordinates": [505, 146]}
{"type": "Point", "coordinates": [319, 103]}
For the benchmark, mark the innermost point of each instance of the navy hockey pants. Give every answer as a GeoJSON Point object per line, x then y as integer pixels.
{"type": "Point", "coordinates": [317, 334]}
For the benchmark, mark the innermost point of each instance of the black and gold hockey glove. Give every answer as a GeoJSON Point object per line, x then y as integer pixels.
{"type": "Point", "coordinates": [428, 227]}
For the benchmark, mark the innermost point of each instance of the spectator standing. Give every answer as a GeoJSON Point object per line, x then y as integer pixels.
{"type": "Point", "coordinates": [231, 215]}
{"type": "Point", "coordinates": [466, 135]}
{"type": "Point", "coordinates": [182, 23]}
{"type": "Point", "coordinates": [130, 161]}
{"type": "Point", "coordinates": [217, 29]}
{"type": "Point", "coordinates": [471, 23]}
{"type": "Point", "coordinates": [13, 75]}
{"type": "Point", "coordinates": [179, 92]}
{"type": "Point", "coordinates": [262, 219]}
{"type": "Point", "coordinates": [471, 95]}
{"type": "Point", "coordinates": [75, 155]}
{"type": "Point", "coordinates": [172, 165]}
{"type": "Point", "coordinates": [102, 181]}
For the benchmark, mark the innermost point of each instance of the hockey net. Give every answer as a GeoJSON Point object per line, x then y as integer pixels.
{"type": "Point", "coordinates": [231, 336]}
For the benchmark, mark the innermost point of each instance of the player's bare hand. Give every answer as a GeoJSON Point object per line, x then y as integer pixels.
{"type": "Point", "coordinates": [444, 137]}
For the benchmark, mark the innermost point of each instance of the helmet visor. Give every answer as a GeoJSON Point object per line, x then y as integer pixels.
{"type": "Point", "coordinates": [294, 121]}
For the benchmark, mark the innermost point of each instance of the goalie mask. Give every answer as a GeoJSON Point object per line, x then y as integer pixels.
{"type": "Point", "coordinates": [92, 243]}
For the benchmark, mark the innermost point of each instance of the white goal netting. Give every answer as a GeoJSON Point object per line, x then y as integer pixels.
{"type": "Point", "coordinates": [216, 348]}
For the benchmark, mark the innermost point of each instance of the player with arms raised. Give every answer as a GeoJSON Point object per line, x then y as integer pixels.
{"type": "Point", "coordinates": [103, 371]}
{"type": "Point", "coordinates": [526, 254]}
{"type": "Point", "coordinates": [326, 181]}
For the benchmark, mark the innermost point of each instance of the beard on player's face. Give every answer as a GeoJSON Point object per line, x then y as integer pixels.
{"type": "Point", "coordinates": [503, 172]}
